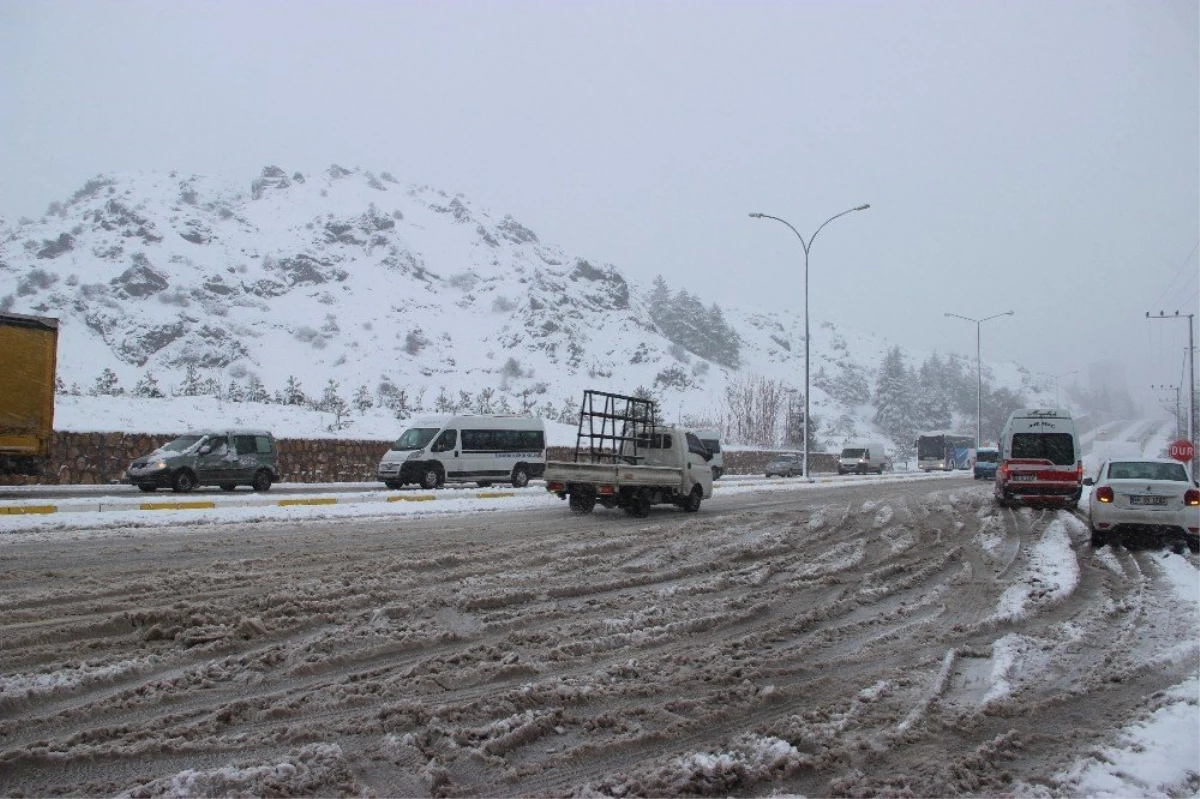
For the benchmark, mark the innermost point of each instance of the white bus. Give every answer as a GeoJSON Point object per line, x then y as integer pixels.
{"type": "Point", "coordinates": [462, 449]}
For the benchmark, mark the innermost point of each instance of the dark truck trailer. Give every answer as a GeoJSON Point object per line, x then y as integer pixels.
{"type": "Point", "coordinates": [28, 360]}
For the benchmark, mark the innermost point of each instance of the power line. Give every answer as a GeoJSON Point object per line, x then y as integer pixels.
{"type": "Point", "coordinates": [1168, 291]}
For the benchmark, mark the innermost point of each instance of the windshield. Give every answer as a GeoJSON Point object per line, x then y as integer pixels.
{"type": "Point", "coordinates": [180, 444]}
{"type": "Point", "coordinates": [714, 445]}
{"type": "Point", "coordinates": [415, 438]}
{"type": "Point", "coordinates": [985, 456]}
{"type": "Point", "coordinates": [1058, 448]}
{"type": "Point", "coordinates": [850, 452]}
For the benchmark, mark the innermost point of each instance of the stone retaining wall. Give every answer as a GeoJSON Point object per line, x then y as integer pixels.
{"type": "Point", "coordinates": [100, 458]}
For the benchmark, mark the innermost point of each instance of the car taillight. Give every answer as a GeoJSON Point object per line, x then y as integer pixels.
{"type": "Point", "coordinates": [1191, 497]}
{"type": "Point", "coordinates": [1004, 471]}
{"type": "Point", "coordinates": [555, 487]}
{"type": "Point", "coordinates": [1104, 494]}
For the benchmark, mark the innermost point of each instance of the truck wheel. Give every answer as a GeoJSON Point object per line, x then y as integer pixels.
{"type": "Point", "coordinates": [183, 482]}
{"type": "Point", "coordinates": [639, 505]}
{"type": "Point", "coordinates": [262, 481]}
{"type": "Point", "coordinates": [582, 502]}
{"type": "Point", "coordinates": [430, 478]}
{"type": "Point", "coordinates": [520, 476]}
{"type": "Point", "coordinates": [692, 503]}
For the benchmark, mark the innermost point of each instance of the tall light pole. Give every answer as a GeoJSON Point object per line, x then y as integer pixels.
{"type": "Point", "coordinates": [978, 370]}
{"type": "Point", "coordinates": [1191, 418]}
{"type": "Point", "coordinates": [807, 245]}
{"type": "Point", "coordinates": [1055, 379]}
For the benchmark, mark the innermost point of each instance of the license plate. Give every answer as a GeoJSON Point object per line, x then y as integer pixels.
{"type": "Point", "coordinates": [1024, 478]}
{"type": "Point", "coordinates": [1140, 499]}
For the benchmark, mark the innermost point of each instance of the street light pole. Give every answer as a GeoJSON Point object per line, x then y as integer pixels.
{"type": "Point", "coordinates": [1055, 379]}
{"type": "Point", "coordinates": [806, 245]}
{"type": "Point", "coordinates": [978, 370]}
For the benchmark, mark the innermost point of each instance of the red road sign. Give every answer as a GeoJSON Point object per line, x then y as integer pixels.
{"type": "Point", "coordinates": [1183, 450]}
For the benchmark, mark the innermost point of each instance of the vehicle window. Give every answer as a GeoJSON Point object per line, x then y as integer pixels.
{"type": "Point", "coordinates": [696, 446]}
{"type": "Point", "coordinates": [1141, 470]}
{"type": "Point", "coordinates": [218, 444]}
{"type": "Point", "coordinates": [1058, 448]}
{"type": "Point", "coordinates": [264, 444]}
{"type": "Point", "coordinates": [985, 457]}
{"type": "Point", "coordinates": [246, 445]}
{"type": "Point", "coordinates": [714, 445]}
{"type": "Point", "coordinates": [415, 438]}
{"type": "Point", "coordinates": [851, 452]}
{"type": "Point", "coordinates": [181, 443]}
{"type": "Point", "coordinates": [446, 441]}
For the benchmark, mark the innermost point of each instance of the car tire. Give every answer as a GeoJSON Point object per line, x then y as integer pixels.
{"type": "Point", "coordinates": [262, 481]}
{"type": "Point", "coordinates": [520, 476]}
{"type": "Point", "coordinates": [692, 503]}
{"type": "Point", "coordinates": [392, 484]}
{"type": "Point", "coordinates": [1098, 539]}
{"type": "Point", "coordinates": [228, 486]}
{"type": "Point", "coordinates": [148, 489]}
{"type": "Point", "coordinates": [183, 482]}
{"type": "Point", "coordinates": [1194, 545]}
{"type": "Point", "coordinates": [430, 478]}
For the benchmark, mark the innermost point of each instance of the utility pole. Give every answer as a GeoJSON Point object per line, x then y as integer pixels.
{"type": "Point", "coordinates": [1178, 413]}
{"type": "Point", "coordinates": [1191, 416]}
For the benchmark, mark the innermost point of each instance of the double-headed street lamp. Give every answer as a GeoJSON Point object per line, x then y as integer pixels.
{"type": "Point", "coordinates": [978, 370]}
{"type": "Point", "coordinates": [1055, 379]}
{"type": "Point", "coordinates": [806, 245]}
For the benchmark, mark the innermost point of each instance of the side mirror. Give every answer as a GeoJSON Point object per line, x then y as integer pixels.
{"type": "Point", "coordinates": [1087, 481]}
{"type": "Point", "coordinates": [207, 448]}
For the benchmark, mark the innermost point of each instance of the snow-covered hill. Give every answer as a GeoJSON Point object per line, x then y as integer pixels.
{"type": "Point", "coordinates": [345, 275]}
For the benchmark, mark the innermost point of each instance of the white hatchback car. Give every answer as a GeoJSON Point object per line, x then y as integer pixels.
{"type": "Point", "coordinates": [1144, 501]}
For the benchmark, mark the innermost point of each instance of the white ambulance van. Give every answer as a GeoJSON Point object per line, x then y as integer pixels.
{"type": "Point", "coordinates": [463, 449]}
{"type": "Point", "coordinates": [1039, 462]}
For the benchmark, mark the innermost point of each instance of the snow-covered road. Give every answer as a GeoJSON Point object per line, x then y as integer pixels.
{"type": "Point", "coordinates": [886, 637]}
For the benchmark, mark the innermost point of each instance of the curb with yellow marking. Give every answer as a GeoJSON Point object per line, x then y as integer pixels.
{"type": "Point", "coordinates": [92, 507]}
{"type": "Point", "coordinates": [283, 503]}
{"type": "Point", "coordinates": [20, 510]}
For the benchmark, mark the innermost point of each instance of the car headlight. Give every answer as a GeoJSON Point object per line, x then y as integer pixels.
{"type": "Point", "coordinates": [160, 465]}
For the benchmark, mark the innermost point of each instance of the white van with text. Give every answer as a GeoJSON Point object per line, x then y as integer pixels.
{"type": "Point", "coordinates": [461, 449]}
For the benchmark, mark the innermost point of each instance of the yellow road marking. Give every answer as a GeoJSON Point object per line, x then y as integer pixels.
{"type": "Point", "coordinates": [494, 494]}
{"type": "Point", "coordinates": [178, 505]}
{"type": "Point", "coordinates": [415, 498]}
{"type": "Point", "coordinates": [318, 501]}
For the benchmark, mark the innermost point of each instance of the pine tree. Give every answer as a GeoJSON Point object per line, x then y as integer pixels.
{"type": "Point", "coordinates": [893, 398]}
{"type": "Point", "coordinates": [107, 385]}
{"type": "Point", "coordinates": [256, 391]}
{"type": "Point", "coordinates": [293, 394]}
{"type": "Point", "coordinates": [235, 392]}
{"type": "Point", "coordinates": [362, 399]}
{"type": "Point", "coordinates": [148, 387]}
{"type": "Point", "coordinates": [190, 387]}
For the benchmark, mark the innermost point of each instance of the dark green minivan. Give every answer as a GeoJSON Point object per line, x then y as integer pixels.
{"type": "Point", "coordinates": [223, 458]}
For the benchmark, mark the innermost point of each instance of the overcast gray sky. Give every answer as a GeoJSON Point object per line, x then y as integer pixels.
{"type": "Point", "coordinates": [1040, 157]}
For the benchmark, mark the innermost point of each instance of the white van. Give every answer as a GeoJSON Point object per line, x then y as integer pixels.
{"type": "Point", "coordinates": [461, 449]}
{"type": "Point", "coordinates": [1039, 461]}
{"type": "Point", "coordinates": [865, 457]}
{"type": "Point", "coordinates": [712, 440]}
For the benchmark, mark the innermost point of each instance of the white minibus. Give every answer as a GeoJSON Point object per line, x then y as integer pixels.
{"type": "Point", "coordinates": [460, 449]}
{"type": "Point", "coordinates": [1039, 461]}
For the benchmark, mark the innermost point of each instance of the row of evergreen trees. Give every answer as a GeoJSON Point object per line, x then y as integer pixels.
{"type": "Point", "coordinates": [402, 403]}
{"type": "Point", "coordinates": [911, 400]}
{"type": "Point", "coordinates": [685, 321]}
